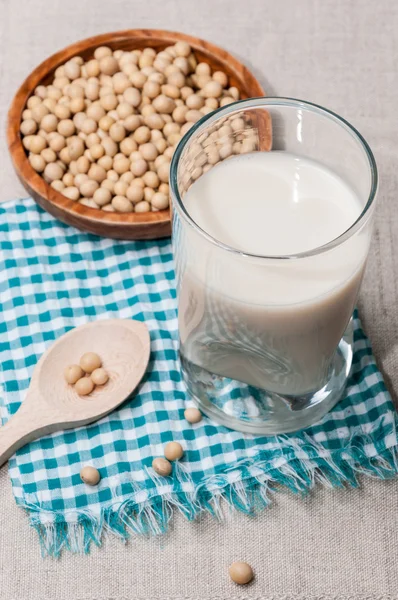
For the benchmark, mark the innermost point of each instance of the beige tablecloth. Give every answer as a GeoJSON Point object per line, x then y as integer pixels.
{"type": "Point", "coordinates": [336, 545]}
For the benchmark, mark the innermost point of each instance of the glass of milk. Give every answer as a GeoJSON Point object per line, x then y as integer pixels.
{"type": "Point", "coordinates": [273, 202]}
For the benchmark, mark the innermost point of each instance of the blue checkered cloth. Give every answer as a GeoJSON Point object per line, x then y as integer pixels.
{"type": "Point", "coordinates": [53, 278]}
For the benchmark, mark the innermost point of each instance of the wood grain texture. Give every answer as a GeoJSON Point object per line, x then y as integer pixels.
{"type": "Point", "coordinates": [118, 226]}
{"type": "Point", "coordinates": [51, 404]}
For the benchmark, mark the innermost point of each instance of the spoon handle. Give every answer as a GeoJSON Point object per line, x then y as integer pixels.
{"type": "Point", "coordinates": [25, 426]}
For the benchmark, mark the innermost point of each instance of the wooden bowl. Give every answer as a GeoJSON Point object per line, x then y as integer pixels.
{"type": "Point", "coordinates": [119, 226]}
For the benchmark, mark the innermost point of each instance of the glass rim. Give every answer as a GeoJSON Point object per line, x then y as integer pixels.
{"type": "Point", "coordinates": [265, 101]}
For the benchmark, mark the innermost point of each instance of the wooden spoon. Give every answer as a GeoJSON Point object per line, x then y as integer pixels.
{"type": "Point", "coordinates": [51, 404]}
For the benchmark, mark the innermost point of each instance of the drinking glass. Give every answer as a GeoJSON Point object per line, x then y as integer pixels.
{"type": "Point", "coordinates": [250, 362]}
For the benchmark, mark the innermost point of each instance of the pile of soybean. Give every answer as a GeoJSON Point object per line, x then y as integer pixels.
{"type": "Point", "coordinates": [104, 132]}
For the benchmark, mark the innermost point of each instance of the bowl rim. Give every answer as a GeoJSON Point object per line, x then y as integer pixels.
{"type": "Point", "coordinates": [49, 198]}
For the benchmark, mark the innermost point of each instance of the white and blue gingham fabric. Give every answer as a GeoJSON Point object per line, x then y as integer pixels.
{"type": "Point", "coordinates": [54, 278]}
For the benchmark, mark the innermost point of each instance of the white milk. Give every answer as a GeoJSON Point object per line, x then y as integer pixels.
{"type": "Point", "coordinates": [271, 323]}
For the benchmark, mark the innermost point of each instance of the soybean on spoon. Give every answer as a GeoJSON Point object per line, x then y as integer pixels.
{"type": "Point", "coordinates": [52, 405]}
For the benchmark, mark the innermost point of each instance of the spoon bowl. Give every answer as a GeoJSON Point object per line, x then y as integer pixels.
{"type": "Point", "coordinates": [52, 404]}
